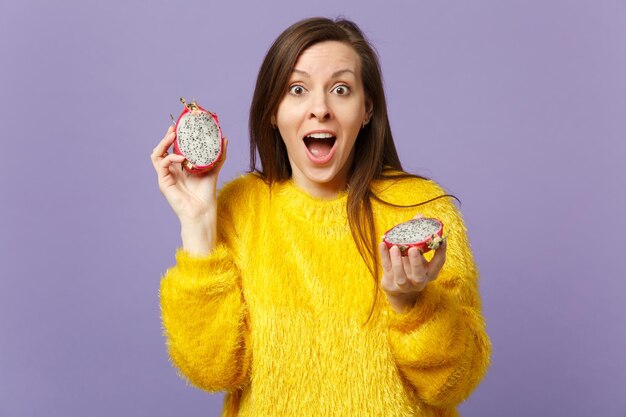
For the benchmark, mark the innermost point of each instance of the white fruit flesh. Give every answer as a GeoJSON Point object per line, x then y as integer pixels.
{"type": "Point", "coordinates": [199, 138]}
{"type": "Point", "coordinates": [413, 231]}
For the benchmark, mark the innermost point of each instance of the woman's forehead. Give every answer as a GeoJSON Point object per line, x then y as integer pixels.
{"type": "Point", "coordinates": [332, 58]}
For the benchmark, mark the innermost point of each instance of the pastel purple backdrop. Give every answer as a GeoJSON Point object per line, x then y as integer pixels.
{"type": "Point", "coordinates": [516, 107]}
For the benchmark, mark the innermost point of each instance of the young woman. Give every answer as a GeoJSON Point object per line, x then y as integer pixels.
{"type": "Point", "coordinates": [282, 295]}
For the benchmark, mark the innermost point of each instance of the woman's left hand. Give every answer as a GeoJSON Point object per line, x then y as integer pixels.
{"type": "Point", "coordinates": [404, 277]}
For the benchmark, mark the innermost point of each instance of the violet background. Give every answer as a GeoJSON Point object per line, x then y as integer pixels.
{"type": "Point", "coordinates": [517, 107]}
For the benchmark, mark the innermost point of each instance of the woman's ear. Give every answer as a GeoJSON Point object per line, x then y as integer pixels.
{"type": "Point", "coordinates": [368, 117]}
{"type": "Point", "coordinates": [369, 110]}
{"type": "Point", "coordinates": [273, 122]}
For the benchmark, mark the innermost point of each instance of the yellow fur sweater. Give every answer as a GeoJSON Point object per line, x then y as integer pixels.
{"type": "Point", "coordinates": [276, 315]}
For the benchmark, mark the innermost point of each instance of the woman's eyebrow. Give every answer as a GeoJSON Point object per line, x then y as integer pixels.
{"type": "Point", "coordinates": [334, 74]}
{"type": "Point", "coordinates": [343, 71]}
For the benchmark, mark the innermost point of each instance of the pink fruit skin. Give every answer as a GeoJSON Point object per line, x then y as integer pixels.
{"type": "Point", "coordinates": [198, 169]}
{"type": "Point", "coordinates": [421, 246]}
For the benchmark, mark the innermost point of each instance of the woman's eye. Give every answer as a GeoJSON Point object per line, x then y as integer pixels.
{"type": "Point", "coordinates": [296, 90]}
{"type": "Point", "coordinates": [342, 90]}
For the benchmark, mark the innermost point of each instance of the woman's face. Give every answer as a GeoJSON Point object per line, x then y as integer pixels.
{"type": "Point", "coordinates": [320, 117]}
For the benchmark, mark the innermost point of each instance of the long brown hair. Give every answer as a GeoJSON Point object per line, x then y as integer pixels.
{"type": "Point", "coordinates": [374, 151]}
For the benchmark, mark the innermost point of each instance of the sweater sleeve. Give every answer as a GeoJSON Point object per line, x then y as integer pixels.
{"type": "Point", "coordinates": [440, 344]}
{"type": "Point", "coordinates": [204, 314]}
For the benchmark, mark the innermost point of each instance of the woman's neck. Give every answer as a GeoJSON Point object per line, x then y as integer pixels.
{"type": "Point", "coordinates": [325, 191]}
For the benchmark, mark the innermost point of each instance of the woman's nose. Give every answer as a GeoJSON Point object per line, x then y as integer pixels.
{"type": "Point", "coordinates": [319, 108]}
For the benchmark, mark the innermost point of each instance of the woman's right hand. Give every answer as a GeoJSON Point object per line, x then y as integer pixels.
{"type": "Point", "coordinates": [191, 196]}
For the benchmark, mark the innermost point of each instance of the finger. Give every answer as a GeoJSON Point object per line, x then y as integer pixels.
{"type": "Point", "coordinates": [225, 148]}
{"type": "Point", "coordinates": [163, 165]}
{"type": "Point", "coordinates": [437, 261]}
{"type": "Point", "coordinates": [406, 264]}
{"type": "Point", "coordinates": [397, 267]}
{"type": "Point", "coordinates": [224, 153]}
{"type": "Point", "coordinates": [385, 258]}
{"type": "Point", "coordinates": [163, 146]}
{"type": "Point", "coordinates": [160, 151]}
{"type": "Point", "coordinates": [419, 273]}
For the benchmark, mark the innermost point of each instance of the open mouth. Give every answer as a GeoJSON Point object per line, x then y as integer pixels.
{"type": "Point", "coordinates": [320, 145]}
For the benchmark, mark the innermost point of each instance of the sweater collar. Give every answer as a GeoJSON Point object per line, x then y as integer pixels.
{"type": "Point", "coordinates": [297, 202]}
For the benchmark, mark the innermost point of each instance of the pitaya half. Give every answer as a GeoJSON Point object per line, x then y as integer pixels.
{"type": "Point", "coordinates": [198, 138]}
{"type": "Point", "coordinates": [423, 233]}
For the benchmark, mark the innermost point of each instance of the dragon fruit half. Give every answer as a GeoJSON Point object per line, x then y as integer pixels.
{"type": "Point", "coordinates": [423, 233]}
{"type": "Point", "coordinates": [198, 138]}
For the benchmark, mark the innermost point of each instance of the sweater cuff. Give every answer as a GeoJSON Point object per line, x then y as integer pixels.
{"type": "Point", "coordinates": [425, 307]}
{"type": "Point", "coordinates": [192, 263]}
{"type": "Point", "coordinates": [216, 272]}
